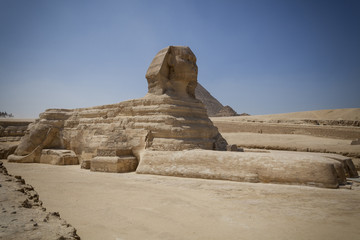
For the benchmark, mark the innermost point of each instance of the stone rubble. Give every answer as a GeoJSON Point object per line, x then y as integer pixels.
{"type": "Point", "coordinates": [24, 217]}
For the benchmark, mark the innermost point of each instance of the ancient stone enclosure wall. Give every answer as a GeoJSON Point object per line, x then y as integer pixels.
{"type": "Point", "coordinates": [13, 129]}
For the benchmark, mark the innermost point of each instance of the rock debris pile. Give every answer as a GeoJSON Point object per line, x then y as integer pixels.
{"type": "Point", "coordinates": [22, 213]}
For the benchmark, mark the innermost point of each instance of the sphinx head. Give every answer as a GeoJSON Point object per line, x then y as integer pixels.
{"type": "Point", "coordinates": [173, 71]}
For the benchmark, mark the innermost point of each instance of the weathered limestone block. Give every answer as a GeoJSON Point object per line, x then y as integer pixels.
{"type": "Point", "coordinates": [286, 168]}
{"type": "Point", "coordinates": [346, 163]}
{"type": "Point", "coordinates": [114, 164]}
{"type": "Point", "coordinates": [58, 157]}
{"type": "Point", "coordinates": [7, 149]}
{"type": "Point", "coordinates": [232, 148]}
{"type": "Point", "coordinates": [85, 164]}
{"type": "Point", "coordinates": [113, 152]}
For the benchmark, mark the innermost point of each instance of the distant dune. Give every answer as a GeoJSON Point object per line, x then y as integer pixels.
{"type": "Point", "coordinates": [350, 114]}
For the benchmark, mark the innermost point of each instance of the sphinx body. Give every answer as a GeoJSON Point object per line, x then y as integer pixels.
{"type": "Point", "coordinates": [167, 132]}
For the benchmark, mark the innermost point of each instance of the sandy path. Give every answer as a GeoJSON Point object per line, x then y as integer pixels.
{"type": "Point", "coordinates": [132, 206]}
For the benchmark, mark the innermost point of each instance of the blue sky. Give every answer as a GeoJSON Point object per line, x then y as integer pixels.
{"type": "Point", "coordinates": [258, 56]}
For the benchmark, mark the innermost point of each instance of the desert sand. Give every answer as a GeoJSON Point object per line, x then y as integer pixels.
{"type": "Point", "coordinates": [135, 206]}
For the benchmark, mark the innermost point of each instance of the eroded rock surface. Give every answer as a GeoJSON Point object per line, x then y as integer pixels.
{"type": "Point", "coordinates": [58, 157]}
{"type": "Point", "coordinates": [7, 148]}
{"type": "Point", "coordinates": [11, 131]}
{"type": "Point", "coordinates": [327, 170]}
{"type": "Point", "coordinates": [22, 213]}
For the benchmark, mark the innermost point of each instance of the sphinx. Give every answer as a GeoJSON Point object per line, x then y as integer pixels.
{"type": "Point", "coordinates": [167, 132]}
{"type": "Point", "coordinates": [168, 118]}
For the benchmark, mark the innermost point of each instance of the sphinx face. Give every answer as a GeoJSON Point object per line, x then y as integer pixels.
{"type": "Point", "coordinates": [183, 74]}
{"type": "Point", "coordinates": [173, 71]}
{"type": "Point", "coordinates": [185, 68]}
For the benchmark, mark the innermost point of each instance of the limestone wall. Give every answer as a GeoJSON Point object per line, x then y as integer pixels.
{"type": "Point", "coordinates": [13, 129]}
{"type": "Point", "coordinates": [282, 167]}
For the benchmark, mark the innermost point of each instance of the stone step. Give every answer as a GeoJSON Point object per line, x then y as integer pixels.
{"type": "Point", "coordinates": [114, 164]}
{"type": "Point", "coordinates": [58, 157]}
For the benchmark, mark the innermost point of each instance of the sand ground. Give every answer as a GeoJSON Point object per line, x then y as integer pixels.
{"type": "Point", "coordinates": [133, 206]}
